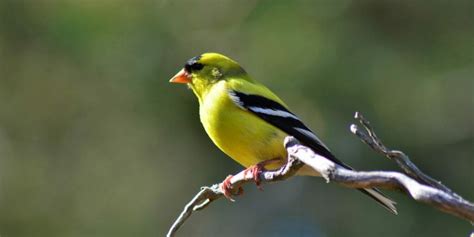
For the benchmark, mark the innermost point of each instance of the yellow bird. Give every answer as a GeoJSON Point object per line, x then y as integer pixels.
{"type": "Point", "coordinates": [247, 121]}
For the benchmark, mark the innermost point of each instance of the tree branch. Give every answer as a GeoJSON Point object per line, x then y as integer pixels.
{"type": "Point", "coordinates": [209, 194]}
{"type": "Point", "coordinates": [370, 138]}
{"type": "Point", "coordinates": [385, 179]}
{"type": "Point", "coordinates": [413, 181]}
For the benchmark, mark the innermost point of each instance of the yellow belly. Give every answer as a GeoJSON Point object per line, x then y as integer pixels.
{"type": "Point", "coordinates": [241, 135]}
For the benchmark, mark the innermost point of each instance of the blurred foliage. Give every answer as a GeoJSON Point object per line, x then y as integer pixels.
{"type": "Point", "coordinates": [95, 142]}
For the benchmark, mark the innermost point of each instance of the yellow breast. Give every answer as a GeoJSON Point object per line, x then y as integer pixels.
{"type": "Point", "coordinates": [241, 135]}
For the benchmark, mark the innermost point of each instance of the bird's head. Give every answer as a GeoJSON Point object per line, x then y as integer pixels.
{"type": "Point", "coordinates": [203, 71]}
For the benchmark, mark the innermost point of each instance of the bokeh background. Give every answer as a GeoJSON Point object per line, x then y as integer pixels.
{"type": "Point", "coordinates": [94, 141]}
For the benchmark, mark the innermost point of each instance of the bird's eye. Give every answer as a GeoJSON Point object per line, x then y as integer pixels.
{"type": "Point", "coordinates": [194, 66]}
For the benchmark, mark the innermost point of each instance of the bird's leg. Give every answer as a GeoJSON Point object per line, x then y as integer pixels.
{"type": "Point", "coordinates": [226, 187]}
{"type": "Point", "coordinates": [258, 168]}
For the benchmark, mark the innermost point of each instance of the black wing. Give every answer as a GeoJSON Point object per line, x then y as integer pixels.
{"type": "Point", "coordinates": [280, 117]}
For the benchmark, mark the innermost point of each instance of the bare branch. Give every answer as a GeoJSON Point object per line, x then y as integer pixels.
{"type": "Point", "coordinates": [437, 198]}
{"type": "Point", "coordinates": [209, 194]}
{"type": "Point", "coordinates": [409, 168]}
{"type": "Point", "coordinates": [415, 183]}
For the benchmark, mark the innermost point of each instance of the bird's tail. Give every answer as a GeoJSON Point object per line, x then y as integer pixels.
{"type": "Point", "coordinates": [383, 200]}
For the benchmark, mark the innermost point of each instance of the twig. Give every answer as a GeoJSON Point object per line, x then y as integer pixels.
{"type": "Point", "coordinates": [209, 194]}
{"type": "Point", "coordinates": [409, 168]}
{"type": "Point", "coordinates": [418, 185]}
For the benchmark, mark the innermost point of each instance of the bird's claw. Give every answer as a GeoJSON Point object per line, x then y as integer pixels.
{"type": "Point", "coordinates": [227, 188]}
{"type": "Point", "coordinates": [256, 170]}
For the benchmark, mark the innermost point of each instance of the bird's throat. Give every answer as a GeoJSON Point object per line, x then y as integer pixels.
{"type": "Point", "coordinates": [200, 88]}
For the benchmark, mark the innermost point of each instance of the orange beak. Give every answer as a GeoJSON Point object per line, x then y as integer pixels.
{"type": "Point", "coordinates": [181, 77]}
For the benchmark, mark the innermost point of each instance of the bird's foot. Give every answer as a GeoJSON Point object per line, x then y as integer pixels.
{"type": "Point", "coordinates": [227, 188]}
{"type": "Point", "coordinates": [255, 170]}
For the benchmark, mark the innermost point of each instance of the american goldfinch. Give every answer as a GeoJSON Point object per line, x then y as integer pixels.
{"type": "Point", "coordinates": [247, 121]}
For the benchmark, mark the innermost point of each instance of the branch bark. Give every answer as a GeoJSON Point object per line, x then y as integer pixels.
{"type": "Point", "coordinates": [412, 181]}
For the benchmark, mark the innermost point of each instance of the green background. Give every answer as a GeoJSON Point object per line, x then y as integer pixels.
{"type": "Point", "coordinates": [94, 141]}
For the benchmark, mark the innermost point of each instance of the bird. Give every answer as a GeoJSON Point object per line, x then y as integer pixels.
{"type": "Point", "coordinates": [248, 122]}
